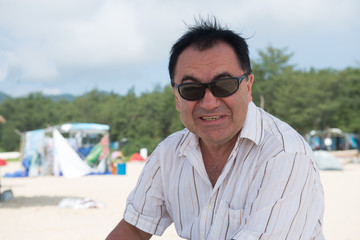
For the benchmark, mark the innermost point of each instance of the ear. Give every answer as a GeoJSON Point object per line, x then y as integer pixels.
{"type": "Point", "coordinates": [249, 84]}
{"type": "Point", "coordinates": [176, 95]}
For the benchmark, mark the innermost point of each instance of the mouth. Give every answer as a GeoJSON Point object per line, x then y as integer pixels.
{"type": "Point", "coordinates": [212, 118]}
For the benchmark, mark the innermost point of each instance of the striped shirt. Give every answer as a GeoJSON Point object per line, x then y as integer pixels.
{"type": "Point", "coordinates": [269, 188]}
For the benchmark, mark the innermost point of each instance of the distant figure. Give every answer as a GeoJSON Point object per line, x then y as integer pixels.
{"type": "Point", "coordinates": [235, 171]}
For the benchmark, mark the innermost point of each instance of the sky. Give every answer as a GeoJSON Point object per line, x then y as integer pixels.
{"type": "Point", "coordinates": [73, 47]}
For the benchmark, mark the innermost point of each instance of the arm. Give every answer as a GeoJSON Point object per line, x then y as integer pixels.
{"type": "Point", "coordinates": [145, 209]}
{"type": "Point", "coordinates": [125, 230]}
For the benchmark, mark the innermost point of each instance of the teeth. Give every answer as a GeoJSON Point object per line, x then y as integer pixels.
{"type": "Point", "coordinates": [211, 118]}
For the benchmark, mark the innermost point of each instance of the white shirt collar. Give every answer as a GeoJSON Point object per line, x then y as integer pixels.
{"type": "Point", "coordinates": [253, 127]}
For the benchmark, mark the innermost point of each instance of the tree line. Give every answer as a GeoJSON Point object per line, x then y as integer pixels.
{"type": "Point", "coordinates": [306, 99]}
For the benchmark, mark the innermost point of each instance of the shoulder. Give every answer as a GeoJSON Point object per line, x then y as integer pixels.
{"type": "Point", "coordinates": [281, 133]}
{"type": "Point", "coordinates": [174, 140]}
{"type": "Point", "coordinates": [171, 146]}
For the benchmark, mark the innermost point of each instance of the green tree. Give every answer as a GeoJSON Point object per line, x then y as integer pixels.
{"type": "Point", "coordinates": [314, 99]}
{"type": "Point", "coordinates": [272, 63]}
{"type": "Point", "coordinates": [23, 114]}
{"type": "Point", "coordinates": [348, 117]}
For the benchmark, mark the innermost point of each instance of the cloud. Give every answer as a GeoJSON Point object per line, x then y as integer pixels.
{"type": "Point", "coordinates": [3, 73]}
{"type": "Point", "coordinates": [300, 14]}
{"type": "Point", "coordinates": [110, 36]}
{"type": "Point", "coordinates": [60, 41]}
{"type": "Point", "coordinates": [36, 65]}
{"type": "Point", "coordinates": [3, 66]}
{"type": "Point", "coordinates": [27, 64]}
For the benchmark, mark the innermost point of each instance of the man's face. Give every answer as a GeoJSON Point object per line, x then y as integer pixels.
{"type": "Point", "coordinates": [215, 120]}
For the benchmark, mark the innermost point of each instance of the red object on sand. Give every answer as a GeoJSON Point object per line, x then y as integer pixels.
{"type": "Point", "coordinates": [136, 157]}
{"type": "Point", "coordinates": [2, 162]}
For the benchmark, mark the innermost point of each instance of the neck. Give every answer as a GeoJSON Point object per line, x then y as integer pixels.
{"type": "Point", "coordinates": [215, 157]}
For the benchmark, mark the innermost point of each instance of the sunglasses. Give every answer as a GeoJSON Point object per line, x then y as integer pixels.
{"type": "Point", "coordinates": [223, 87]}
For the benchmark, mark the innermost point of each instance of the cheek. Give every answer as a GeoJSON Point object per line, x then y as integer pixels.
{"type": "Point", "coordinates": [181, 106]}
{"type": "Point", "coordinates": [185, 108]}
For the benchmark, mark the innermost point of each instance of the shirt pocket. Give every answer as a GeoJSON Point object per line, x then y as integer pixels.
{"type": "Point", "coordinates": [227, 222]}
{"type": "Point", "coordinates": [234, 218]}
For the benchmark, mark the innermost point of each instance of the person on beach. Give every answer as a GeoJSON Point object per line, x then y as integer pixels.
{"type": "Point", "coordinates": [235, 171]}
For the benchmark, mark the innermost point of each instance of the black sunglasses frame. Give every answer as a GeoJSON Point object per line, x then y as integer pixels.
{"type": "Point", "coordinates": [210, 86]}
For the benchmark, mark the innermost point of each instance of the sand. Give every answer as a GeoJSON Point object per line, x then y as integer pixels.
{"type": "Point", "coordinates": [34, 213]}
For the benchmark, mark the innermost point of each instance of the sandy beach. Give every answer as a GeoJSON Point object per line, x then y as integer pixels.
{"type": "Point", "coordinates": [36, 212]}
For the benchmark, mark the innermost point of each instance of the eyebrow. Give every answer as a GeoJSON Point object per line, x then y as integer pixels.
{"type": "Point", "coordinates": [218, 76]}
{"type": "Point", "coordinates": [222, 75]}
{"type": "Point", "coordinates": [189, 77]}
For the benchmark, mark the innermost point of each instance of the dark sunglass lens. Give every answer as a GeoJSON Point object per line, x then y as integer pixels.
{"type": "Point", "coordinates": [225, 87]}
{"type": "Point", "coordinates": [191, 92]}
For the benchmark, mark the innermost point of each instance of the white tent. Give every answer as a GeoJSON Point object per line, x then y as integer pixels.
{"type": "Point", "coordinates": [66, 160]}
{"type": "Point", "coordinates": [68, 150]}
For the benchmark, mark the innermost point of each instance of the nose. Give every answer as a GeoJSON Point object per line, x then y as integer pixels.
{"type": "Point", "coordinates": [209, 101]}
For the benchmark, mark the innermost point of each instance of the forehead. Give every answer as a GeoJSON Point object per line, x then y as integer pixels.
{"type": "Point", "coordinates": [207, 63]}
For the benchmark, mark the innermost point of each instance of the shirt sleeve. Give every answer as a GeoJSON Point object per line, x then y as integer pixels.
{"type": "Point", "coordinates": [145, 208]}
{"type": "Point", "coordinates": [285, 200]}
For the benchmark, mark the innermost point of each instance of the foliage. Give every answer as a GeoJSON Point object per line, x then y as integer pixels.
{"type": "Point", "coordinates": [143, 120]}
{"type": "Point", "coordinates": [313, 99]}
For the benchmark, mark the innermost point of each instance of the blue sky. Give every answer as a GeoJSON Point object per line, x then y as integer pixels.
{"type": "Point", "coordinates": [65, 46]}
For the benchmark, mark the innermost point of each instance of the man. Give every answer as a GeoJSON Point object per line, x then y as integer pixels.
{"type": "Point", "coordinates": [235, 172]}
